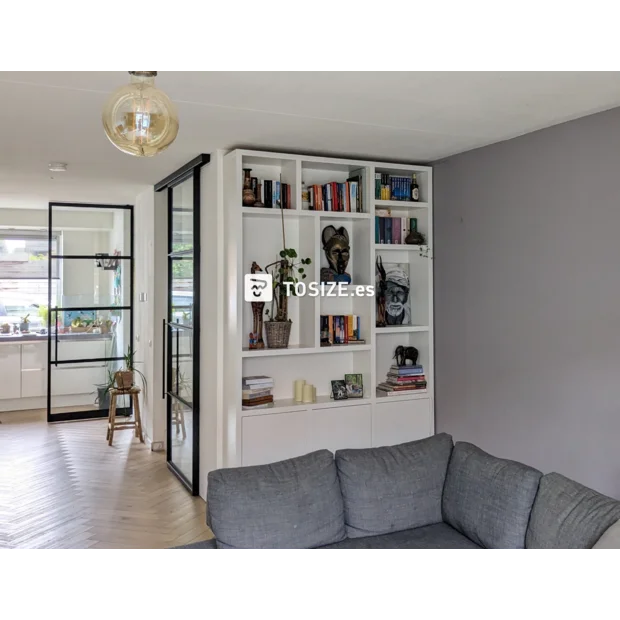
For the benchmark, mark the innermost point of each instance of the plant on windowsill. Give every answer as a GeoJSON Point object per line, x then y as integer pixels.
{"type": "Point", "coordinates": [285, 269]}
{"type": "Point", "coordinates": [24, 326]}
{"type": "Point", "coordinates": [125, 377]}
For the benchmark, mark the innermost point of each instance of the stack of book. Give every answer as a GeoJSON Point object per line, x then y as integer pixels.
{"type": "Point", "coordinates": [337, 196]}
{"type": "Point", "coordinates": [257, 391]}
{"type": "Point", "coordinates": [342, 329]}
{"type": "Point", "coordinates": [393, 230]}
{"type": "Point", "coordinates": [388, 187]}
{"type": "Point", "coordinates": [403, 380]}
{"type": "Point", "coordinates": [273, 194]}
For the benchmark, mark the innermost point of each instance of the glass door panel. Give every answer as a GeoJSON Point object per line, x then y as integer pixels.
{"type": "Point", "coordinates": [90, 310]}
{"type": "Point", "coordinates": [182, 327]}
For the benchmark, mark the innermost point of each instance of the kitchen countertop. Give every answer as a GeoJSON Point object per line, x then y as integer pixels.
{"type": "Point", "coordinates": [17, 338]}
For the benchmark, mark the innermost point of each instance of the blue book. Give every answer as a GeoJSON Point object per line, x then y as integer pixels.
{"type": "Point", "coordinates": [388, 230]}
{"type": "Point", "coordinates": [377, 229]}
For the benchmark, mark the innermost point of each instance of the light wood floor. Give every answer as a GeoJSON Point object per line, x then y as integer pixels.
{"type": "Point", "coordinates": [62, 486]}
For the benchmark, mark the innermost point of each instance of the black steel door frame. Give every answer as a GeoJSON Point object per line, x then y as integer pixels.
{"type": "Point", "coordinates": [93, 413]}
{"type": "Point", "coordinates": [190, 171]}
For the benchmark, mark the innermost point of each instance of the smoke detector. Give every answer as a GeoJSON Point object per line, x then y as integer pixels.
{"type": "Point", "coordinates": [56, 166]}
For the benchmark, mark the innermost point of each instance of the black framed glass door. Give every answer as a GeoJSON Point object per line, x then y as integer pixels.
{"type": "Point", "coordinates": [182, 324]}
{"type": "Point", "coordinates": [90, 306]}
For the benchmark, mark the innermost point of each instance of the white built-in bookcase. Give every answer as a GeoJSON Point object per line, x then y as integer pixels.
{"type": "Point", "coordinates": [255, 234]}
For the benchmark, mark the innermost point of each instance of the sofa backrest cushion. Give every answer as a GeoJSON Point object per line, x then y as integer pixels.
{"type": "Point", "coordinates": [567, 515]}
{"type": "Point", "coordinates": [393, 488]}
{"type": "Point", "coordinates": [489, 499]}
{"type": "Point", "coordinates": [291, 504]}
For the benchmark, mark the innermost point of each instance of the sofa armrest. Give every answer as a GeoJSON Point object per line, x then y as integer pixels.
{"type": "Point", "coordinates": [610, 538]}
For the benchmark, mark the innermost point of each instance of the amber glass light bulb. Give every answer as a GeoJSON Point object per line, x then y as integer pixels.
{"type": "Point", "coordinates": [140, 119]}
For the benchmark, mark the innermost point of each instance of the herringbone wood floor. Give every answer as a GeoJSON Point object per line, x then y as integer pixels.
{"type": "Point", "coordinates": [62, 486]}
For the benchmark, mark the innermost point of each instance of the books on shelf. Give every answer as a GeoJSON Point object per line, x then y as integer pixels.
{"type": "Point", "coordinates": [340, 329]}
{"type": "Point", "coordinates": [393, 230]}
{"type": "Point", "coordinates": [402, 380]}
{"type": "Point", "coordinates": [271, 193]}
{"type": "Point", "coordinates": [345, 197]}
{"type": "Point", "coordinates": [257, 391]}
{"type": "Point", "coordinates": [393, 187]}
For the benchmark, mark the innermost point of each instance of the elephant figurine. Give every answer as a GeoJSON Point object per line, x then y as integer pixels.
{"type": "Point", "coordinates": [402, 354]}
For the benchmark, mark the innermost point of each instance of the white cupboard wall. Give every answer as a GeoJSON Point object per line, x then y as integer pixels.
{"type": "Point", "coordinates": [246, 234]}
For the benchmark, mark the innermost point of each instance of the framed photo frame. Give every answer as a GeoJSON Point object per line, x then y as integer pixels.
{"type": "Point", "coordinates": [354, 385]}
{"type": "Point", "coordinates": [339, 390]}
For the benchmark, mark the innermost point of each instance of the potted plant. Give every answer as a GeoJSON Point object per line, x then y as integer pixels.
{"type": "Point", "coordinates": [286, 269]}
{"type": "Point", "coordinates": [125, 377]}
{"type": "Point", "coordinates": [43, 313]}
{"type": "Point", "coordinates": [24, 326]}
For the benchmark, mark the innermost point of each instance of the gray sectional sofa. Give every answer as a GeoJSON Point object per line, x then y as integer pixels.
{"type": "Point", "coordinates": [427, 494]}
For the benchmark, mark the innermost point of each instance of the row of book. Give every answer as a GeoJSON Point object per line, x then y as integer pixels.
{"type": "Point", "coordinates": [394, 230]}
{"type": "Point", "coordinates": [346, 197]}
{"type": "Point", "coordinates": [271, 194]}
{"type": "Point", "coordinates": [403, 380]}
{"type": "Point", "coordinates": [389, 187]}
{"type": "Point", "coordinates": [257, 391]}
{"type": "Point", "coordinates": [341, 329]}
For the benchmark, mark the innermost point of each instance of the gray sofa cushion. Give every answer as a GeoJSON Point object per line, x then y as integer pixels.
{"type": "Point", "coordinates": [203, 544]}
{"type": "Point", "coordinates": [567, 515]}
{"type": "Point", "coordinates": [489, 499]}
{"type": "Point", "coordinates": [291, 504]}
{"type": "Point", "coordinates": [393, 488]}
{"type": "Point", "coordinates": [437, 536]}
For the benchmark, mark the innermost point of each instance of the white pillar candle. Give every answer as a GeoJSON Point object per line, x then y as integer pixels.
{"type": "Point", "coordinates": [298, 390]}
{"type": "Point", "coordinates": [307, 393]}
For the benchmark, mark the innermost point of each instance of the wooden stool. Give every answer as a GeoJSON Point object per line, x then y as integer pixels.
{"type": "Point", "coordinates": [178, 418]}
{"type": "Point", "coordinates": [132, 392]}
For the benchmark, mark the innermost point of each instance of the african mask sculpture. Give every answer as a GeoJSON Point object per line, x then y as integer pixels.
{"type": "Point", "coordinates": [337, 252]}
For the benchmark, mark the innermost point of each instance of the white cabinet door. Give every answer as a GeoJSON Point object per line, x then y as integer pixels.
{"type": "Point", "coordinates": [10, 371]}
{"type": "Point", "coordinates": [273, 437]}
{"type": "Point", "coordinates": [340, 427]}
{"type": "Point", "coordinates": [81, 350]}
{"type": "Point", "coordinates": [34, 356]}
{"type": "Point", "coordinates": [77, 380]}
{"type": "Point", "coordinates": [401, 421]}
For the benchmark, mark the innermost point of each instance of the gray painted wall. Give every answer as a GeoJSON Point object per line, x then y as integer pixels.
{"type": "Point", "coordinates": [527, 299]}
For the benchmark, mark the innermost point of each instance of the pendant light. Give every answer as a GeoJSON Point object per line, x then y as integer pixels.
{"type": "Point", "coordinates": [140, 119]}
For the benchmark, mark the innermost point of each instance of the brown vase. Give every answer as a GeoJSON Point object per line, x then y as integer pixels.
{"type": "Point", "coordinates": [248, 195]}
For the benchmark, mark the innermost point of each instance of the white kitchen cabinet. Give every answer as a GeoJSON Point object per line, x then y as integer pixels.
{"type": "Point", "coordinates": [78, 350]}
{"type": "Point", "coordinates": [336, 428]}
{"type": "Point", "coordinates": [10, 371]}
{"type": "Point", "coordinates": [77, 379]}
{"type": "Point", "coordinates": [401, 421]}
{"type": "Point", "coordinates": [34, 369]}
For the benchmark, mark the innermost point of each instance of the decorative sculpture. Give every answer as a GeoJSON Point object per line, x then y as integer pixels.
{"type": "Point", "coordinates": [337, 252]}
{"type": "Point", "coordinates": [402, 354]}
{"type": "Point", "coordinates": [380, 292]}
{"type": "Point", "coordinates": [248, 195]}
{"type": "Point", "coordinates": [256, 337]}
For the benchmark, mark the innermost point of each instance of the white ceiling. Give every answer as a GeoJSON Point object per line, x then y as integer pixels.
{"type": "Point", "coordinates": [414, 117]}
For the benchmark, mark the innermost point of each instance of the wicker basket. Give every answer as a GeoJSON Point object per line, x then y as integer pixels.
{"type": "Point", "coordinates": [123, 379]}
{"type": "Point", "coordinates": [278, 334]}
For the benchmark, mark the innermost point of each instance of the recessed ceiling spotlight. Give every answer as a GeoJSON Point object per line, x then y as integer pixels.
{"type": "Point", "coordinates": [56, 166]}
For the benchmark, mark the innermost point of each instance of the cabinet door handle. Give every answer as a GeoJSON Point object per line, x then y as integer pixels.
{"type": "Point", "coordinates": [163, 362]}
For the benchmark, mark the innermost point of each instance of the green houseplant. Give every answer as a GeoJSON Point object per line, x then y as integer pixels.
{"type": "Point", "coordinates": [24, 326]}
{"type": "Point", "coordinates": [287, 269]}
{"type": "Point", "coordinates": [125, 377]}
